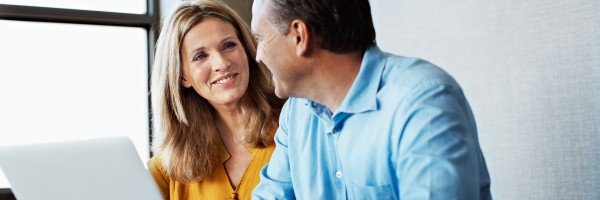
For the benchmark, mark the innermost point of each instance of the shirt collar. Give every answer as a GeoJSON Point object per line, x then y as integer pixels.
{"type": "Point", "coordinates": [223, 150]}
{"type": "Point", "coordinates": [225, 156]}
{"type": "Point", "coordinates": [362, 95]}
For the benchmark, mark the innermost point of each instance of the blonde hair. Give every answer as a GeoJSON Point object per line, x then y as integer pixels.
{"type": "Point", "coordinates": [184, 129]}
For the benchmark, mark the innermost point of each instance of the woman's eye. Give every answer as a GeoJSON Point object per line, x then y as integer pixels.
{"type": "Point", "coordinates": [200, 56]}
{"type": "Point", "coordinates": [229, 45]}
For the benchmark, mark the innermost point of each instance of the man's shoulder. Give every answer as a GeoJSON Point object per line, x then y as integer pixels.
{"type": "Point", "coordinates": [410, 73]}
{"type": "Point", "coordinates": [296, 112]}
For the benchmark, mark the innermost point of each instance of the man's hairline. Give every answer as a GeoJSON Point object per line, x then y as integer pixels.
{"type": "Point", "coordinates": [268, 14]}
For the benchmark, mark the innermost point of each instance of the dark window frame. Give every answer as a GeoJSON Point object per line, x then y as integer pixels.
{"type": "Point", "coordinates": [149, 21]}
{"type": "Point", "coordinates": [6, 194]}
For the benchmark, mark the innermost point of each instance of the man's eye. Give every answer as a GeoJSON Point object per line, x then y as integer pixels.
{"type": "Point", "coordinates": [229, 45]}
{"type": "Point", "coordinates": [200, 56]}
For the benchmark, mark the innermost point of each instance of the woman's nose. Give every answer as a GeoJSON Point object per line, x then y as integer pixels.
{"type": "Point", "coordinates": [220, 63]}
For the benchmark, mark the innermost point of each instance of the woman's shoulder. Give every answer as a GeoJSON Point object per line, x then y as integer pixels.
{"type": "Point", "coordinates": [154, 159]}
{"type": "Point", "coordinates": [160, 177]}
{"type": "Point", "coordinates": [155, 164]}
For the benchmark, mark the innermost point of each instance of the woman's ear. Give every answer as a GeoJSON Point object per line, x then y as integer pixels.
{"type": "Point", "coordinates": [185, 82]}
{"type": "Point", "coordinates": [301, 37]}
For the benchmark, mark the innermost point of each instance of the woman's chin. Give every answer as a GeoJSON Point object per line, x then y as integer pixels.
{"type": "Point", "coordinates": [229, 99]}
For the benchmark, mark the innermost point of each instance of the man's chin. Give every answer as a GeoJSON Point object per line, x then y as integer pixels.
{"type": "Point", "coordinates": [281, 95]}
{"type": "Point", "coordinates": [280, 92]}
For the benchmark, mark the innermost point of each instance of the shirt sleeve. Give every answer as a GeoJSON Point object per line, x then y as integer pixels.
{"type": "Point", "coordinates": [438, 150]}
{"type": "Point", "coordinates": [159, 177]}
{"type": "Point", "coordinates": [275, 178]}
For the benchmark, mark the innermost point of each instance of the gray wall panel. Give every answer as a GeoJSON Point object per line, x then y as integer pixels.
{"type": "Point", "coordinates": [531, 70]}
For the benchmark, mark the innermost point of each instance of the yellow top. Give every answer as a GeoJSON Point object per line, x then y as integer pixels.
{"type": "Point", "coordinates": [216, 185]}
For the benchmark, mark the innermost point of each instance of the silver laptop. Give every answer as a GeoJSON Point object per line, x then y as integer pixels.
{"type": "Point", "coordinates": [100, 169]}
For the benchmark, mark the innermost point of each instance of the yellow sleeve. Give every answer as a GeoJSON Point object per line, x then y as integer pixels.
{"type": "Point", "coordinates": [161, 179]}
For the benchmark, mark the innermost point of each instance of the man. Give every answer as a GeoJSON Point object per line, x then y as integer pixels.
{"type": "Point", "coordinates": [360, 123]}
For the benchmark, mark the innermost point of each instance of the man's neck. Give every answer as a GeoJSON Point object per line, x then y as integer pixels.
{"type": "Point", "coordinates": [333, 76]}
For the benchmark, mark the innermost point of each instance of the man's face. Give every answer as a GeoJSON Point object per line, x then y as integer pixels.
{"type": "Point", "coordinates": [276, 51]}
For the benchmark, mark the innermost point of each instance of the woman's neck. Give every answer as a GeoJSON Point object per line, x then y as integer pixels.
{"type": "Point", "coordinates": [229, 119]}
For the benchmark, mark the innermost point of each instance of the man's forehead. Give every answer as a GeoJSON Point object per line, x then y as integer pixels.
{"type": "Point", "coordinates": [257, 13]}
{"type": "Point", "coordinates": [255, 5]}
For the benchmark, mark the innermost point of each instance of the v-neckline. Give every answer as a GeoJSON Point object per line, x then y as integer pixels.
{"type": "Point", "coordinates": [226, 156]}
{"type": "Point", "coordinates": [234, 189]}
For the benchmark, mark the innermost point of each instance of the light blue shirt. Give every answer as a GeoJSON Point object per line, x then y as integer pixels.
{"type": "Point", "coordinates": [403, 131]}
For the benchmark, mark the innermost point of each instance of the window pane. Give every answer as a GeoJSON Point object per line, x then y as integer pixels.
{"type": "Point", "coordinates": [68, 81]}
{"type": "Point", "coordinates": [120, 6]}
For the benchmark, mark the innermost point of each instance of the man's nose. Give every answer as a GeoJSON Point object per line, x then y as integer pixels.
{"type": "Point", "coordinates": [259, 53]}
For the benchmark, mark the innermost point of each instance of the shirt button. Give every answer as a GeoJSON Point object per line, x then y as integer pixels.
{"type": "Point", "coordinates": [338, 174]}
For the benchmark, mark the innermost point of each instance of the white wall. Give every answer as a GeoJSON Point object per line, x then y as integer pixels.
{"type": "Point", "coordinates": [531, 71]}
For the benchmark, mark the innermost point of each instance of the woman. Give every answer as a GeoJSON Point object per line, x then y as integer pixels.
{"type": "Point", "coordinates": [214, 109]}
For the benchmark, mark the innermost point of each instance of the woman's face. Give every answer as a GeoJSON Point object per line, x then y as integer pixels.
{"type": "Point", "coordinates": [215, 63]}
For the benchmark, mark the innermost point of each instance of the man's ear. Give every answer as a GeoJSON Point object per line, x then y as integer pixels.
{"type": "Point", "coordinates": [300, 34]}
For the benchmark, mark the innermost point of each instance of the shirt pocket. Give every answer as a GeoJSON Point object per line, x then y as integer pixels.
{"type": "Point", "coordinates": [381, 192]}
